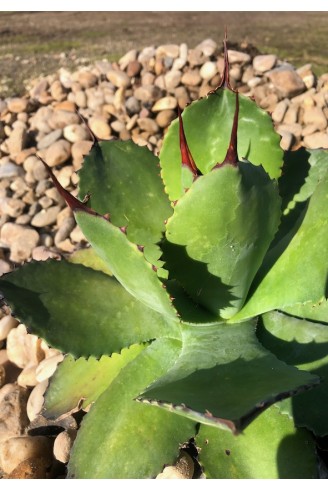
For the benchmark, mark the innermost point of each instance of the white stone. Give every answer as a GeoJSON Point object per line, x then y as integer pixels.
{"type": "Point", "coordinates": [17, 449]}
{"type": "Point", "coordinates": [36, 400]}
{"type": "Point", "coordinates": [63, 445]}
{"type": "Point", "coordinates": [47, 367]}
{"type": "Point", "coordinates": [6, 324]}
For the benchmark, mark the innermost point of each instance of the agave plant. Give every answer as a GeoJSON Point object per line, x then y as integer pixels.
{"type": "Point", "coordinates": [199, 312]}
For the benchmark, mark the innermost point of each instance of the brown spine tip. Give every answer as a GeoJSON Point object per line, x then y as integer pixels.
{"type": "Point", "coordinates": [225, 81]}
{"type": "Point", "coordinates": [186, 156]}
{"type": "Point", "coordinates": [123, 229]}
{"type": "Point", "coordinates": [141, 247]}
{"type": "Point", "coordinates": [155, 269]}
{"type": "Point", "coordinates": [72, 202]}
{"type": "Point", "coordinates": [231, 157]}
{"type": "Point", "coordinates": [94, 138]}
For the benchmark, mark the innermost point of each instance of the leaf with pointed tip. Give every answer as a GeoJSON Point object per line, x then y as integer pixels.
{"type": "Point", "coordinates": [300, 273]}
{"type": "Point", "coordinates": [219, 233]}
{"type": "Point", "coordinates": [126, 261]}
{"type": "Point", "coordinates": [303, 344]}
{"type": "Point", "coordinates": [207, 125]}
{"type": "Point", "coordinates": [79, 310]}
{"type": "Point", "coordinates": [224, 377]}
{"type": "Point", "coordinates": [269, 448]}
{"type": "Point", "coordinates": [123, 179]}
{"type": "Point", "coordinates": [79, 382]}
{"type": "Point", "coordinates": [120, 438]}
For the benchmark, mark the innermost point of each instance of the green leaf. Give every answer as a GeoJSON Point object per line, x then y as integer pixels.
{"type": "Point", "coordinates": [120, 438]}
{"type": "Point", "coordinates": [79, 310]}
{"type": "Point", "coordinates": [224, 377]}
{"type": "Point", "coordinates": [219, 233]}
{"type": "Point", "coordinates": [79, 382]}
{"type": "Point", "coordinates": [303, 344]}
{"type": "Point", "coordinates": [317, 312]}
{"type": "Point", "coordinates": [124, 180]}
{"type": "Point", "coordinates": [207, 124]}
{"type": "Point", "coordinates": [303, 170]}
{"type": "Point", "coordinates": [89, 258]}
{"type": "Point", "coordinates": [269, 448]}
{"type": "Point", "coordinates": [300, 273]}
{"type": "Point", "coordinates": [126, 261]}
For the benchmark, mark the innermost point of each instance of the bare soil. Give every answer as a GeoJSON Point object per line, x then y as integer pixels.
{"type": "Point", "coordinates": [34, 43]}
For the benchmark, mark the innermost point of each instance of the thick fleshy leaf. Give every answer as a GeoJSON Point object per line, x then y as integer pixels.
{"type": "Point", "coordinates": [303, 170]}
{"type": "Point", "coordinates": [79, 382]}
{"type": "Point", "coordinates": [80, 310]}
{"type": "Point", "coordinates": [270, 447]}
{"type": "Point", "coordinates": [300, 274]}
{"type": "Point", "coordinates": [219, 234]}
{"type": "Point", "coordinates": [207, 124]}
{"type": "Point", "coordinates": [123, 179]}
{"type": "Point", "coordinates": [317, 312]}
{"type": "Point", "coordinates": [127, 262]}
{"type": "Point", "coordinates": [224, 377]}
{"type": "Point", "coordinates": [89, 258]}
{"type": "Point", "coordinates": [120, 438]}
{"type": "Point", "coordinates": [303, 344]}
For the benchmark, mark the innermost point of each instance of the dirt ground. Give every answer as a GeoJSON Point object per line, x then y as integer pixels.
{"type": "Point", "coordinates": [34, 43]}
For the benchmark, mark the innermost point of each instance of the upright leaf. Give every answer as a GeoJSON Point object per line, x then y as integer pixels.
{"type": "Point", "coordinates": [219, 234]}
{"type": "Point", "coordinates": [207, 125]}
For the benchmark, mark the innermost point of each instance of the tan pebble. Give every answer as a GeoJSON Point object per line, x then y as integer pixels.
{"type": "Point", "coordinates": [47, 367]}
{"type": "Point", "coordinates": [32, 468]}
{"type": "Point", "coordinates": [27, 376]}
{"type": "Point", "coordinates": [66, 105]}
{"type": "Point", "coordinates": [170, 473]}
{"type": "Point", "coordinates": [63, 445]}
{"type": "Point", "coordinates": [100, 127]}
{"type": "Point", "coordinates": [36, 399]}
{"type": "Point", "coordinates": [6, 324]}
{"type": "Point", "coordinates": [50, 352]}
{"type": "Point", "coordinates": [165, 103]}
{"type": "Point", "coordinates": [42, 253]}
{"type": "Point", "coordinates": [23, 348]}
{"type": "Point", "coordinates": [185, 465]}
{"type": "Point", "coordinates": [13, 418]}
{"type": "Point", "coordinates": [18, 449]}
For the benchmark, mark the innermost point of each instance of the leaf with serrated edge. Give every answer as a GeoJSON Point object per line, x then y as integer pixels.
{"type": "Point", "coordinates": [83, 380]}
{"type": "Point", "coordinates": [219, 233]}
{"type": "Point", "coordinates": [300, 274]}
{"type": "Point", "coordinates": [120, 438]}
{"type": "Point", "coordinates": [270, 447]}
{"type": "Point", "coordinates": [207, 124]}
{"type": "Point", "coordinates": [224, 377]}
{"type": "Point", "coordinates": [79, 310]}
{"type": "Point", "coordinates": [303, 344]}
{"type": "Point", "coordinates": [132, 191]}
{"type": "Point", "coordinates": [126, 261]}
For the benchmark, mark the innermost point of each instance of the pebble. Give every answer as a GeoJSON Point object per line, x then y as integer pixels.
{"type": "Point", "coordinates": [58, 153]}
{"type": "Point", "coordinates": [17, 104]}
{"type": "Point", "coordinates": [287, 82]}
{"type": "Point", "coordinates": [17, 140]}
{"type": "Point", "coordinates": [13, 416]}
{"type": "Point", "coordinates": [45, 217]}
{"type": "Point", "coordinates": [47, 367]}
{"type": "Point", "coordinates": [10, 170]}
{"type": "Point", "coordinates": [23, 348]}
{"type": "Point", "coordinates": [36, 400]}
{"type": "Point", "coordinates": [316, 140]}
{"type": "Point", "coordinates": [7, 323]}
{"type": "Point", "coordinates": [100, 127]}
{"type": "Point", "coordinates": [118, 78]}
{"type": "Point", "coordinates": [87, 79]}
{"type": "Point", "coordinates": [164, 104]}
{"type": "Point", "coordinates": [75, 132]}
{"type": "Point", "coordinates": [49, 139]}
{"type": "Point", "coordinates": [263, 63]}
{"type": "Point", "coordinates": [18, 449]}
{"type": "Point", "coordinates": [20, 240]}
{"type": "Point", "coordinates": [63, 445]}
